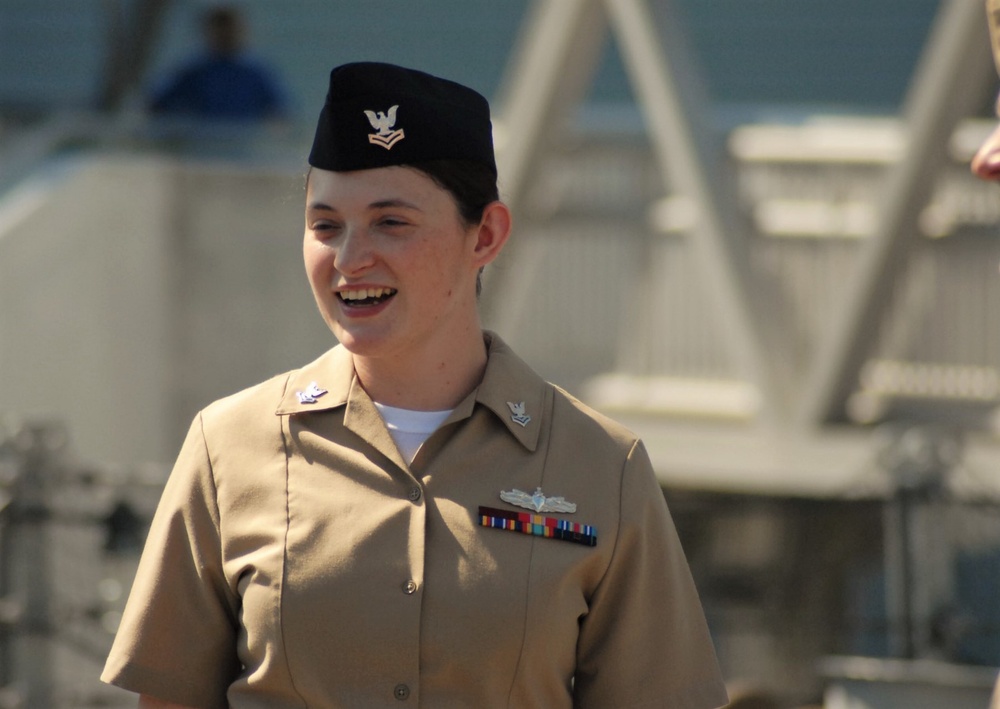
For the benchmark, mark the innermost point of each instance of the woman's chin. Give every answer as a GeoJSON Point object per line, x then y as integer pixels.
{"type": "Point", "coordinates": [360, 343]}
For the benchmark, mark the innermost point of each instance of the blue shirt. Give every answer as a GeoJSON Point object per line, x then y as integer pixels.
{"type": "Point", "coordinates": [221, 88]}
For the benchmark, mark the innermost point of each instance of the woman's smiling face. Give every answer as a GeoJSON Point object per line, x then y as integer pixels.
{"type": "Point", "coordinates": [391, 264]}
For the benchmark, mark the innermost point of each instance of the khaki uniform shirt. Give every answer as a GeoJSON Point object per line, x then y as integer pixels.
{"type": "Point", "coordinates": [296, 560]}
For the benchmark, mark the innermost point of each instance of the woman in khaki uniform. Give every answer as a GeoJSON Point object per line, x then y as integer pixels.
{"type": "Point", "coordinates": [415, 518]}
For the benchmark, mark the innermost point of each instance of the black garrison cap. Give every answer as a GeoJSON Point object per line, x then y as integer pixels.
{"type": "Point", "coordinates": [377, 115]}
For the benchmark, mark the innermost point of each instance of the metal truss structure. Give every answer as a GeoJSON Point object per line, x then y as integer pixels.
{"type": "Point", "coordinates": [798, 437]}
{"type": "Point", "coordinates": [69, 541]}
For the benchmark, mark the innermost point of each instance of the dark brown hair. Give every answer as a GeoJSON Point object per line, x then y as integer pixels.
{"type": "Point", "coordinates": [471, 184]}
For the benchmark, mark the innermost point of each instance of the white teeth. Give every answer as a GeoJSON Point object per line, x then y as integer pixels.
{"type": "Point", "coordinates": [365, 293]}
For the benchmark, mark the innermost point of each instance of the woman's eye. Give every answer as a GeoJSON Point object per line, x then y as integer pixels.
{"type": "Point", "coordinates": [323, 227]}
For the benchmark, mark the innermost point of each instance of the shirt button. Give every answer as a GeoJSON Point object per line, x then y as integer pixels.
{"type": "Point", "coordinates": [401, 692]}
{"type": "Point", "coordinates": [414, 493]}
{"type": "Point", "coordinates": [410, 587]}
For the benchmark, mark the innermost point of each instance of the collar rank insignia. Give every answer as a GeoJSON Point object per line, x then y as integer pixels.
{"type": "Point", "coordinates": [537, 501]}
{"type": "Point", "coordinates": [311, 394]}
{"type": "Point", "coordinates": [383, 123]}
{"type": "Point", "coordinates": [517, 410]}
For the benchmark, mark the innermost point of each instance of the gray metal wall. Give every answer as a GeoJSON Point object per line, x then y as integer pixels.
{"type": "Point", "coordinates": [136, 290]}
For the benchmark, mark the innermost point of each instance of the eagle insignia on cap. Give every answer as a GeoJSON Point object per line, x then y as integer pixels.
{"type": "Point", "coordinates": [383, 123]}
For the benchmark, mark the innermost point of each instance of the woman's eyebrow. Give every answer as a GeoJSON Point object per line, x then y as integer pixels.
{"type": "Point", "coordinates": [389, 203]}
{"type": "Point", "coordinates": [380, 204]}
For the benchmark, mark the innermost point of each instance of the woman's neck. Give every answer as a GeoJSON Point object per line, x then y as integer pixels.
{"type": "Point", "coordinates": [430, 380]}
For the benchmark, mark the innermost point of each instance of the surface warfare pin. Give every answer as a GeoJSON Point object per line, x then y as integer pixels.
{"type": "Point", "coordinates": [383, 122]}
{"type": "Point", "coordinates": [537, 501]}
{"type": "Point", "coordinates": [311, 394]}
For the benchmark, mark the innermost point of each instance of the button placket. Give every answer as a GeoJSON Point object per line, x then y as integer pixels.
{"type": "Point", "coordinates": [411, 585]}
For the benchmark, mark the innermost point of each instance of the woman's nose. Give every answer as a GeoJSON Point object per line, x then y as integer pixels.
{"type": "Point", "coordinates": [986, 163]}
{"type": "Point", "coordinates": [354, 252]}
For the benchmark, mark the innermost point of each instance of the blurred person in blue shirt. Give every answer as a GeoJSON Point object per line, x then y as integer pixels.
{"type": "Point", "coordinates": [223, 84]}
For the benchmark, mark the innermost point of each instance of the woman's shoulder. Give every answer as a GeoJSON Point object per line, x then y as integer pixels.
{"type": "Point", "coordinates": [588, 423]}
{"type": "Point", "coordinates": [263, 401]}
{"type": "Point", "coordinates": [508, 374]}
{"type": "Point", "coordinates": [242, 408]}
{"type": "Point", "coordinates": [263, 394]}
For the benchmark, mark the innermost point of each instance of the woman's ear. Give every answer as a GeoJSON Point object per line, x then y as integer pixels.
{"type": "Point", "coordinates": [492, 233]}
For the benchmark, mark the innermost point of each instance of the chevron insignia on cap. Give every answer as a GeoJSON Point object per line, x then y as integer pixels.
{"type": "Point", "coordinates": [383, 122]}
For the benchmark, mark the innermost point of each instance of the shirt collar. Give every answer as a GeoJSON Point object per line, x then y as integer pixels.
{"type": "Point", "coordinates": [510, 389]}
{"type": "Point", "coordinates": [332, 373]}
{"type": "Point", "coordinates": [513, 392]}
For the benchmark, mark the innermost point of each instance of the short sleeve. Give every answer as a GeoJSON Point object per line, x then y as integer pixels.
{"type": "Point", "coordinates": [645, 641]}
{"type": "Point", "coordinates": [177, 638]}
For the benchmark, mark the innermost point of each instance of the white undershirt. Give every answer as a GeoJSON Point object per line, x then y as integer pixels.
{"type": "Point", "coordinates": [409, 429]}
